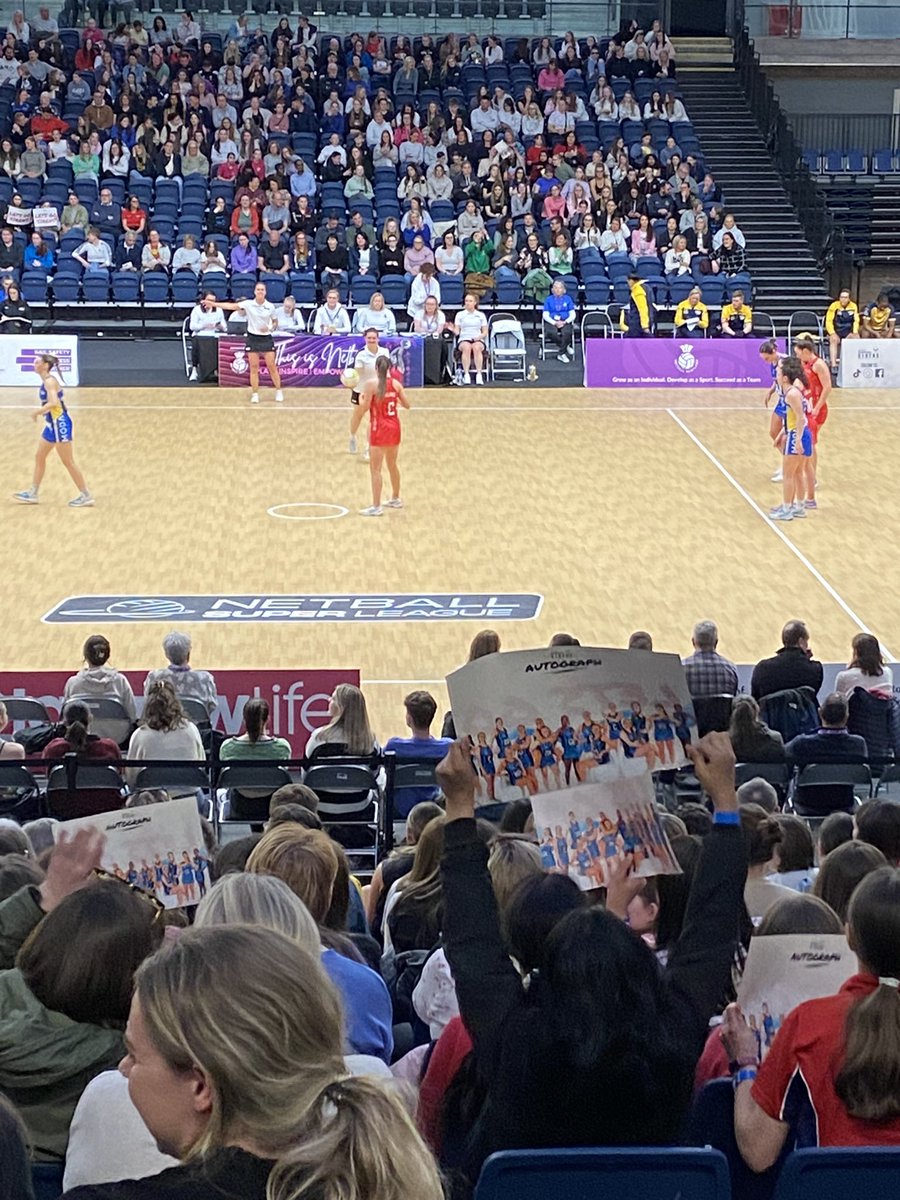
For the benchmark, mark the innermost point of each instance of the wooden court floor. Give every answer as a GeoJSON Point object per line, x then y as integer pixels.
{"type": "Point", "coordinates": [636, 509]}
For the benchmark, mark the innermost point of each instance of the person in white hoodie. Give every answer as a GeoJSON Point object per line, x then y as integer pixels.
{"type": "Point", "coordinates": [99, 680]}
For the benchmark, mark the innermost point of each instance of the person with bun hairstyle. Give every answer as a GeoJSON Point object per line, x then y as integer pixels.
{"type": "Point", "coordinates": [838, 1056]}
{"type": "Point", "coordinates": [57, 432]}
{"type": "Point", "coordinates": [97, 679]}
{"type": "Point", "coordinates": [256, 741]}
{"type": "Point", "coordinates": [762, 833]}
{"type": "Point", "coordinates": [380, 399]}
{"type": "Point", "coordinates": [248, 1087]}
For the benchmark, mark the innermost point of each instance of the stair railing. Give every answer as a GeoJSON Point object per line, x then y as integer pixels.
{"type": "Point", "coordinates": [825, 237]}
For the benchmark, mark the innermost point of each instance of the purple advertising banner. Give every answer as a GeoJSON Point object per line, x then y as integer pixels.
{"type": "Point", "coordinates": [675, 362]}
{"type": "Point", "coordinates": [312, 360]}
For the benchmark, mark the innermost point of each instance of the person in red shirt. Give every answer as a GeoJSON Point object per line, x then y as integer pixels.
{"type": "Point", "coordinates": [838, 1056]}
{"type": "Point", "coordinates": [819, 385]}
{"type": "Point", "coordinates": [45, 120]}
{"type": "Point", "coordinates": [380, 400]}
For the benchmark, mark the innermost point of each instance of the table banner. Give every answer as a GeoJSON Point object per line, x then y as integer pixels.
{"type": "Point", "coordinates": [312, 360]}
{"type": "Point", "coordinates": [20, 352]}
{"type": "Point", "coordinates": [675, 362]}
{"type": "Point", "coordinates": [869, 362]}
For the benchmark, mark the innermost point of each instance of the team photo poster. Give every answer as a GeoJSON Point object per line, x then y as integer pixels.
{"type": "Point", "coordinates": [579, 731]}
{"type": "Point", "coordinates": [158, 848]}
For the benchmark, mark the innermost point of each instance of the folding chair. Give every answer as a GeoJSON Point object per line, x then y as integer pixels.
{"type": "Point", "coordinates": [26, 709]}
{"type": "Point", "coordinates": [108, 717]}
{"type": "Point", "coordinates": [506, 347]}
{"type": "Point", "coordinates": [83, 790]}
{"type": "Point", "coordinates": [823, 788]}
{"type": "Point", "coordinates": [804, 320]}
{"type": "Point", "coordinates": [20, 793]}
{"type": "Point", "coordinates": [249, 787]}
{"type": "Point", "coordinates": [350, 800]}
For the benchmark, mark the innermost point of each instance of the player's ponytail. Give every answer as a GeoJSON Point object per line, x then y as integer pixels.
{"type": "Point", "coordinates": [53, 363]}
{"type": "Point", "coordinates": [382, 366]}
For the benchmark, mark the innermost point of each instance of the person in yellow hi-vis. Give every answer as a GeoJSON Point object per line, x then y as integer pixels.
{"type": "Point", "coordinates": [841, 321]}
{"type": "Point", "coordinates": [635, 315]}
{"type": "Point", "coordinates": [691, 315]}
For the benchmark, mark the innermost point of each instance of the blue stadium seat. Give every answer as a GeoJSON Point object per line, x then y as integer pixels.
{"type": "Point", "coordinates": [395, 290]}
{"type": "Point", "coordinates": [712, 291]}
{"type": "Point", "coordinates": [361, 289]}
{"type": "Point", "coordinates": [155, 286]}
{"type": "Point", "coordinates": [639, 1173]}
{"type": "Point", "coordinates": [303, 287]}
{"type": "Point", "coordinates": [838, 1174]}
{"type": "Point", "coordinates": [276, 286]}
{"type": "Point", "coordinates": [739, 283]}
{"type": "Point", "coordinates": [35, 287]}
{"type": "Point", "coordinates": [184, 287]}
{"type": "Point", "coordinates": [167, 189]}
{"type": "Point", "coordinates": [833, 162]}
{"type": "Point", "coordinates": [884, 162]}
{"type": "Point", "coordinates": [596, 291]}
{"type": "Point", "coordinates": [451, 292]}
{"type": "Point", "coordinates": [95, 285]}
{"type": "Point", "coordinates": [66, 287]}
{"type": "Point", "coordinates": [508, 291]}
{"type": "Point", "coordinates": [857, 162]}
{"type": "Point", "coordinates": [811, 158]}
{"type": "Point", "coordinates": [242, 285]}
{"type": "Point", "coordinates": [126, 287]}
{"type": "Point", "coordinates": [618, 265]}
{"type": "Point", "coordinates": [712, 1124]}
{"type": "Point", "coordinates": [647, 267]}
{"type": "Point", "coordinates": [680, 288]}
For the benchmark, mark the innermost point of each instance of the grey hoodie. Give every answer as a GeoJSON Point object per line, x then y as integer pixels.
{"type": "Point", "coordinates": [102, 681]}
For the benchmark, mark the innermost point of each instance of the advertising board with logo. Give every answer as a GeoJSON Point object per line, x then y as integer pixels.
{"type": "Point", "coordinates": [679, 362]}
{"type": "Point", "coordinates": [872, 362]}
{"type": "Point", "coordinates": [307, 360]}
{"type": "Point", "coordinates": [221, 607]}
{"type": "Point", "coordinates": [21, 352]}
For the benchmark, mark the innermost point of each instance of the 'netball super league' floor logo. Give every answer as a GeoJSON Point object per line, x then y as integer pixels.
{"type": "Point", "coordinates": [686, 361]}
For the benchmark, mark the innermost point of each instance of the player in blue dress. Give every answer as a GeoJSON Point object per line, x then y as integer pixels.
{"type": "Point", "coordinates": [515, 772]}
{"type": "Point", "coordinates": [682, 725]}
{"type": "Point", "coordinates": [639, 722]}
{"type": "Point", "coordinates": [548, 761]}
{"type": "Point", "coordinates": [583, 858]}
{"type": "Point", "coordinates": [486, 766]}
{"type": "Point", "coordinates": [599, 745]}
{"type": "Point", "coordinates": [769, 353]}
{"type": "Point", "coordinates": [523, 745]}
{"type": "Point", "coordinates": [57, 432]}
{"type": "Point", "coordinates": [201, 866]}
{"type": "Point", "coordinates": [575, 830]}
{"type": "Point", "coordinates": [186, 869]}
{"type": "Point", "coordinates": [664, 735]}
{"type": "Point", "coordinates": [548, 856]}
{"type": "Point", "coordinates": [562, 849]}
{"type": "Point", "coordinates": [571, 748]}
{"type": "Point", "coordinates": [501, 737]}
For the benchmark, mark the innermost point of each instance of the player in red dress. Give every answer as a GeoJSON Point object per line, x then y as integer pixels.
{"type": "Point", "coordinates": [819, 384]}
{"type": "Point", "coordinates": [380, 399]}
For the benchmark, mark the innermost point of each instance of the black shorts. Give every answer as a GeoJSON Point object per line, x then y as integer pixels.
{"type": "Point", "coordinates": [260, 343]}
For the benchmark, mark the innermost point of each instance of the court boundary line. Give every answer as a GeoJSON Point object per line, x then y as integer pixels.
{"type": "Point", "coordinates": [288, 408]}
{"type": "Point", "coordinates": [779, 533]}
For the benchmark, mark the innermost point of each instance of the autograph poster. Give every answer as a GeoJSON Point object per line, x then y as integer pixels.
{"type": "Point", "coordinates": [579, 732]}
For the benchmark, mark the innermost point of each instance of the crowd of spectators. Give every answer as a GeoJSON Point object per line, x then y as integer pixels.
{"type": "Point", "coordinates": [385, 1039]}
{"type": "Point", "coordinates": [142, 160]}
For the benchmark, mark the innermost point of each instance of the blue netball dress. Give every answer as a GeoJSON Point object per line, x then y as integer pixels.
{"type": "Point", "coordinates": [548, 859]}
{"type": "Point", "coordinates": [569, 739]}
{"type": "Point", "coordinates": [662, 729]}
{"type": "Point", "coordinates": [614, 725]}
{"type": "Point", "coordinates": [526, 758]}
{"type": "Point", "coordinates": [502, 738]}
{"type": "Point", "coordinates": [548, 758]}
{"type": "Point", "coordinates": [58, 423]}
{"type": "Point", "coordinates": [514, 771]}
{"type": "Point", "coordinates": [486, 755]}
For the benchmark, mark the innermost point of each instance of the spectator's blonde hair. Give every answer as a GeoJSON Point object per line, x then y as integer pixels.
{"type": "Point", "coordinates": [350, 723]}
{"type": "Point", "coordinates": [244, 898]}
{"type": "Point", "coordinates": [271, 1050]}
{"type": "Point", "coordinates": [307, 861]}
{"type": "Point", "coordinates": [512, 859]}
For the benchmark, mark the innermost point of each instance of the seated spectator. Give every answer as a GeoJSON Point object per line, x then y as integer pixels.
{"type": "Point", "coordinates": [9, 750]}
{"type": "Point", "coordinates": [302, 254]}
{"type": "Point", "coordinates": [97, 679]}
{"type": "Point", "coordinates": [678, 258]}
{"type": "Point", "coordinates": [841, 321]}
{"type": "Point", "coordinates": [612, 239]}
{"type": "Point", "coordinates": [134, 217]}
{"type": "Point", "coordinates": [793, 666]}
{"type": "Point", "coordinates": [348, 726]}
{"type": "Point", "coordinates": [737, 317]}
{"type": "Point", "coordinates": [515, 1033]}
{"type": "Point", "coordinates": [187, 256]}
{"type": "Point", "coordinates": [855, 1101]}
{"type": "Point", "coordinates": [878, 824]}
{"type": "Point", "coordinates": [420, 713]}
{"type": "Point", "coordinates": [878, 320]}
{"type": "Point", "coordinates": [375, 315]}
{"type": "Point", "coordinates": [15, 312]}
{"type": "Point", "coordinates": [794, 855]}
{"type": "Point", "coordinates": [729, 226]}
{"type": "Point", "coordinates": [156, 255]}
{"type": "Point", "coordinates": [245, 218]}
{"type": "Point", "coordinates": [759, 792]}
{"type": "Point", "coordinates": [333, 262]}
{"type": "Point", "coordinates": [62, 1014]}
{"type": "Point", "coordinates": [843, 868]}
{"type": "Point", "coordinates": [478, 255]}
{"type": "Point", "coordinates": [448, 257]}
{"type": "Point", "coordinates": [832, 743]}
{"type": "Point", "coordinates": [308, 862]}
{"type": "Point", "coordinates": [728, 259]}
{"type": "Point", "coordinates": [78, 740]}
{"type": "Point", "coordinates": [560, 256]}
{"type": "Point", "coordinates": [185, 679]}
{"type": "Point", "coordinates": [691, 314]}
{"type": "Point", "coordinates": [243, 257]}
{"type": "Point", "coordinates": [559, 319]}
{"type": "Point", "coordinates": [194, 161]}
{"type": "Point", "coordinates": [38, 255]}
{"type": "Point", "coordinates": [165, 731]}
{"type": "Point", "coordinates": [866, 669]}
{"type": "Point", "coordinates": [837, 828]}
{"type": "Point", "coordinates": [93, 254]}
{"type": "Point", "coordinates": [272, 255]}
{"type": "Point", "coordinates": [255, 742]}
{"type": "Point", "coordinates": [471, 332]}
{"type": "Point", "coordinates": [706, 671]}
{"type": "Point", "coordinates": [424, 287]}
{"type": "Point", "coordinates": [416, 256]}
{"type": "Point", "coordinates": [128, 253]}
{"type": "Point", "coordinates": [762, 834]}
{"type": "Point", "coordinates": [752, 739]}
{"type": "Point", "coordinates": [331, 317]}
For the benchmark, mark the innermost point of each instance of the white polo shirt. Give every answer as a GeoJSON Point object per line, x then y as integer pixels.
{"type": "Point", "coordinates": [259, 316]}
{"type": "Point", "coordinates": [470, 325]}
{"type": "Point", "coordinates": [365, 365]}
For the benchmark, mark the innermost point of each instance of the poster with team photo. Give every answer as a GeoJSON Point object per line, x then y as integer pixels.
{"type": "Point", "coordinates": [785, 970]}
{"type": "Point", "coordinates": [158, 848]}
{"type": "Point", "coordinates": [579, 732]}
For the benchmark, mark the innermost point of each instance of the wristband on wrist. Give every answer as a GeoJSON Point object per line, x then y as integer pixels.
{"type": "Point", "coordinates": [744, 1075]}
{"type": "Point", "coordinates": [726, 818]}
{"type": "Point", "coordinates": [748, 1060]}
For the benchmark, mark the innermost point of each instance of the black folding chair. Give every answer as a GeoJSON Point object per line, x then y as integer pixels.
{"type": "Point", "coordinates": [823, 788]}
{"type": "Point", "coordinates": [250, 787]}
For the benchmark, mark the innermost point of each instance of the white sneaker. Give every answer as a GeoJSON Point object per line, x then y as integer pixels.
{"type": "Point", "coordinates": [371, 511]}
{"type": "Point", "coordinates": [29, 496]}
{"type": "Point", "coordinates": [778, 477]}
{"type": "Point", "coordinates": [781, 513]}
{"type": "Point", "coordinates": [396, 502]}
{"type": "Point", "coordinates": [479, 378]}
{"type": "Point", "coordinates": [351, 445]}
{"type": "Point", "coordinates": [83, 500]}
{"type": "Point", "coordinates": [798, 510]}
{"type": "Point", "coordinates": [254, 399]}
{"type": "Point", "coordinates": [279, 397]}
{"type": "Point", "coordinates": [563, 358]}
{"type": "Point", "coordinates": [366, 456]}
{"type": "Point", "coordinates": [193, 375]}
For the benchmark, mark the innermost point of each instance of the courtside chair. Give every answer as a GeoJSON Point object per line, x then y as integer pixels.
{"type": "Point", "coordinates": [635, 1173]}
{"type": "Point", "coordinates": [21, 797]}
{"type": "Point", "coordinates": [26, 709]}
{"type": "Point", "coordinates": [839, 1174]}
{"type": "Point", "coordinates": [804, 320]}
{"type": "Point", "coordinates": [823, 788]}
{"type": "Point", "coordinates": [246, 789]}
{"type": "Point", "coordinates": [105, 786]}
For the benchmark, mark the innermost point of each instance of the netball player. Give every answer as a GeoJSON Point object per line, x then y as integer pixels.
{"type": "Point", "coordinates": [57, 432]}
{"type": "Point", "coordinates": [769, 354]}
{"type": "Point", "coordinates": [549, 757]}
{"type": "Point", "coordinates": [663, 735]}
{"type": "Point", "coordinates": [364, 365]}
{"type": "Point", "coordinates": [818, 378]}
{"type": "Point", "coordinates": [486, 766]}
{"type": "Point", "coordinates": [380, 400]}
{"type": "Point", "coordinates": [261, 322]}
{"type": "Point", "coordinates": [797, 447]}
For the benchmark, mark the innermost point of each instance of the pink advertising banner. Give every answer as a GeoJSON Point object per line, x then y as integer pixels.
{"type": "Point", "coordinates": [298, 699]}
{"type": "Point", "coordinates": [313, 360]}
{"type": "Point", "coordinates": [675, 362]}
